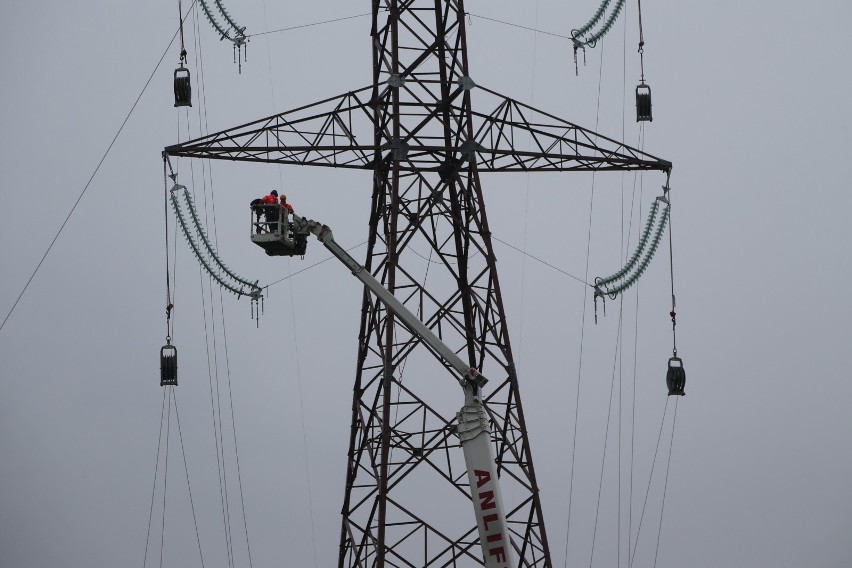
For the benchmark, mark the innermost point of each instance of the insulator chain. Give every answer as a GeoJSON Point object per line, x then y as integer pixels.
{"type": "Point", "coordinates": [253, 289]}
{"type": "Point", "coordinates": [625, 278]}
{"type": "Point", "coordinates": [199, 229]}
{"type": "Point", "coordinates": [240, 31]}
{"type": "Point", "coordinates": [579, 35]}
{"type": "Point", "coordinates": [239, 36]}
{"type": "Point", "coordinates": [643, 240]}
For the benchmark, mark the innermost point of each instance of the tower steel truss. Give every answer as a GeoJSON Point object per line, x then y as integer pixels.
{"type": "Point", "coordinates": [406, 499]}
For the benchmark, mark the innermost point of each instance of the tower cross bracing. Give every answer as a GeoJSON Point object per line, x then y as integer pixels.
{"type": "Point", "coordinates": [406, 500]}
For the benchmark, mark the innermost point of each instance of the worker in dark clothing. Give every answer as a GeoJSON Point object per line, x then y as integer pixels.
{"type": "Point", "coordinates": [271, 209]}
{"type": "Point", "coordinates": [286, 210]}
{"type": "Point", "coordinates": [257, 209]}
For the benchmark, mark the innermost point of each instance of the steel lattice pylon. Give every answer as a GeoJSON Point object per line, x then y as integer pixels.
{"type": "Point", "coordinates": [406, 498]}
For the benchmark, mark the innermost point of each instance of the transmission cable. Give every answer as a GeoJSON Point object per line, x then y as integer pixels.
{"type": "Point", "coordinates": [166, 477]}
{"type": "Point", "coordinates": [666, 484]}
{"type": "Point", "coordinates": [154, 487]}
{"type": "Point", "coordinates": [294, 329]}
{"type": "Point", "coordinates": [641, 44]}
{"type": "Point", "coordinates": [624, 247]}
{"type": "Point", "coordinates": [169, 302]}
{"type": "Point", "coordinates": [308, 25]}
{"type": "Point", "coordinates": [673, 314]}
{"type": "Point", "coordinates": [234, 422]}
{"type": "Point", "coordinates": [615, 360]}
{"type": "Point", "coordinates": [544, 262]}
{"type": "Point", "coordinates": [526, 210]}
{"type": "Point", "coordinates": [636, 176]}
{"type": "Point", "coordinates": [583, 323]}
{"type": "Point", "coordinates": [519, 26]}
{"type": "Point", "coordinates": [292, 274]}
{"type": "Point", "coordinates": [94, 173]}
{"type": "Point", "coordinates": [188, 485]}
{"type": "Point", "coordinates": [648, 490]}
{"type": "Point", "coordinates": [211, 366]}
{"type": "Point", "coordinates": [228, 375]}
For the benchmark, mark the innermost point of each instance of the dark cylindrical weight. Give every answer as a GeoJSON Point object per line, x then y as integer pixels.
{"type": "Point", "coordinates": [168, 366]}
{"type": "Point", "coordinates": [676, 377]}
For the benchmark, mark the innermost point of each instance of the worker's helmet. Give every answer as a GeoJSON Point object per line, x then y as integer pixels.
{"type": "Point", "coordinates": [274, 192]}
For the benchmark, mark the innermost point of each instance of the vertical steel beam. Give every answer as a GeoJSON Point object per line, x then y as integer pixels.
{"type": "Point", "coordinates": [430, 245]}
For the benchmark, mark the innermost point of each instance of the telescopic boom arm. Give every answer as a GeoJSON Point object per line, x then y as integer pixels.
{"type": "Point", "coordinates": [473, 422]}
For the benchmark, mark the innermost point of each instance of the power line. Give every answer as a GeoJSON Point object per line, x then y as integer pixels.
{"type": "Point", "coordinates": [648, 490]}
{"type": "Point", "coordinates": [666, 484]}
{"type": "Point", "coordinates": [520, 26]}
{"type": "Point", "coordinates": [311, 266]}
{"type": "Point", "coordinates": [556, 268]}
{"type": "Point", "coordinates": [309, 25]}
{"type": "Point", "coordinates": [583, 332]}
{"type": "Point", "coordinates": [188, 486]}
{"type": "Point", "coordinates": [154, 488]}
{"type": "Point", "coordinates": [94, 173]}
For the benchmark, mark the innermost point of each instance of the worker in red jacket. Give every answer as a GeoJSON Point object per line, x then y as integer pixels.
{"type": "Point", "coordinates": [286, 210]}
{"type": "Point", "coordinates": [271, 210]}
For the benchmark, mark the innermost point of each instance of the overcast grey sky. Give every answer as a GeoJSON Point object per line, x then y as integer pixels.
{"type": "Point", "coordinates": [751, 106]}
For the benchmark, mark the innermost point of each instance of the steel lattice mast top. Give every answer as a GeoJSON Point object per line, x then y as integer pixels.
{"type": "Point", "coordinates": [406, 501]}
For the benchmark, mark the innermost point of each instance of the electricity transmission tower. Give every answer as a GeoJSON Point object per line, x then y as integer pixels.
{"type": "Point", "coordinates": [406, 499]}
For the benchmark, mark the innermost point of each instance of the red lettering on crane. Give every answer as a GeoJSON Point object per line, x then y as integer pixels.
{"type": "Point", "coordinates": [486, 500]}
{"type": "Point", "coordinates": [499, 552]}
{"type": "Point", "coordinates": [491, 522]}
{"type": "Point", "coordinates": [482, 477]}
{"type": "Point", "coordinates": [488, 519]}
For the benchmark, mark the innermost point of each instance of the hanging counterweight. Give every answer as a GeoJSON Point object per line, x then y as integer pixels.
{"type": "Point", "coordinates": [643, 103]}
{"type": "Point", "coordinates": [183, 87]}
{"type": "Point", "coordinates": [168, 365]}
{"type": "Point", "coordinates": [676, 377]}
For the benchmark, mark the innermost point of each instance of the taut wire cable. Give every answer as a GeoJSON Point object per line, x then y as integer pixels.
{"type": "Point", "coordinates": [92, 177]}
{"type": "Point", "coordinates": [188, 485]}
{"type": "Point", "coordinates": [583, 324]}
{"type": "Point", "coordinates": [166, 477]}
{"type": "Point", "coordinates": [154, 486]}
{"type": "Point", "coordinates": [648, 490]}
{"type": "Point", "coordinates": [666, 483]}
{"type": "Point", "coordinates": [294, 329]}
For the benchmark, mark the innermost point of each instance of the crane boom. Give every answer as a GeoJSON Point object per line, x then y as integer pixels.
{"type": "Point", "coordinates": [473, 424]}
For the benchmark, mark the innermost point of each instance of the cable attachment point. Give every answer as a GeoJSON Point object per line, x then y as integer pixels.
{"type": "Point", "coordinates": [673, 315]}
{"type": "Point", "coordinates": [256, 303]}
{"type": "Point", "coordinates": [599, 294]}
{"type": "Point", "coordinates": [577, 46]}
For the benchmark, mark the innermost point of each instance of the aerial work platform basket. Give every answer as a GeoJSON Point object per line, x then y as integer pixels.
{"type": "Point", "coordinates": [272, 230]}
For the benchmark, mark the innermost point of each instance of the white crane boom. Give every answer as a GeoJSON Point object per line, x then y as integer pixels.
{"type": "Point", "coordinates": [473, 423]}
